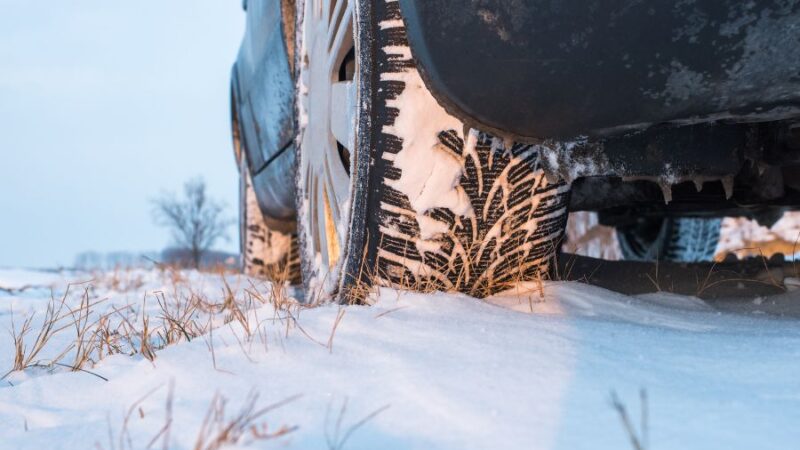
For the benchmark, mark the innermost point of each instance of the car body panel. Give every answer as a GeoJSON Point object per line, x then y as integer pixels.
{"type": "Point", "coordinates": [265, 85]}
{"type": "Point", "coordinates": [666, 153]}
{"type": "Point", "coordinates": [263, 92]}
{"type": "Point", "coordinates": [538, 69]}
{"type": "Point", "coordinates": [275, 191]}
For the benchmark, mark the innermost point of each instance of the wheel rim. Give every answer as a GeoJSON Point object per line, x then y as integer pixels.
{"type": "Point", "coordinates": [327, 110]}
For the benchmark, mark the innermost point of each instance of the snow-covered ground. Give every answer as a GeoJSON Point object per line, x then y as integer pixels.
{"type": "Point", "coordinates": [527, 370]}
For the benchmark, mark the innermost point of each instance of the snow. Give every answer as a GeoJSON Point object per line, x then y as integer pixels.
{"type": "Point", "coordinates": [22, 279]}
{"type": "Point", "coordinates": [532, 368]}
{"type": "Point", "coordinates": [746, 237]}
{"type": "Point", "coordinates": [587, 237]}
{"type": "Point", "coordinates": [420, 119]}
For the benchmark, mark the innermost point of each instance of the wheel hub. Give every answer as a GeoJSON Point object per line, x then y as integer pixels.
{"type": "Point", "coordinates": [327, 106]}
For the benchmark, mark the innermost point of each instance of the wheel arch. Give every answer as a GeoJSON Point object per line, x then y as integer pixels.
{"type": "Point", "coordinates": [236, 131]}
{"type": "Point", "coordinates": [539, 70]}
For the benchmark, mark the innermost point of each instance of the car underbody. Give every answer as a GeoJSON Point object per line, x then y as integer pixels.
{"type": "Point", "coordinates": [707, 170]}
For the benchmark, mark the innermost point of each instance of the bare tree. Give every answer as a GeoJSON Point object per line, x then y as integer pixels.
{"type": "Point", "coordinates": [196, 221]}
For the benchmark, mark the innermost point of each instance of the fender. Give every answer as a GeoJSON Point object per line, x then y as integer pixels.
{"type": "Point", "coordinates": [265, 83]}
{"type": "Point", "coordinates": [538, 69]}
{"type": "Point", "coordinates": [262, 102]}
{"type": "Point", "coordinates": [236, 132]}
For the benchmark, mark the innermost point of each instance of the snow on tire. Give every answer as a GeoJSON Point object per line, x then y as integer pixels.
{"type": "Point", "coordinates": [456, 212]}
{"type": "Point", "coordinates": [432, 204]}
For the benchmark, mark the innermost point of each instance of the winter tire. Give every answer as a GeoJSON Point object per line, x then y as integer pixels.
{"type": "Point", "coordinates": [266, 253]}
{"type": "Point", "coordinates": [391, 188]}
{"type": "Point", "coordinates": [670, 239]}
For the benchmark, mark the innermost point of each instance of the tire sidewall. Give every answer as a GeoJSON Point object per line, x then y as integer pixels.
{"type": "Point", "coordinates": [354, 257]}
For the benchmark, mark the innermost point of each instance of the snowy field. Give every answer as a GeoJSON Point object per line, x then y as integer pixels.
{"type": "Point", "coordinates": [157, 359]}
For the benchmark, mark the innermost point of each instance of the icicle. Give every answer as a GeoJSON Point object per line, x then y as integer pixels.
{"type": "Point", "coordinates": [727, 185]}
{"type": "Point", "coordinates": [508, 143]}
{"type": "Point", "coordinates": [666, 190]}
{"type": "Point", "coordinates": [698, 183]}
{"type": "Point", "coordinates": [497, 144]}
{"type": "Point", "coordinates": [470, 142]}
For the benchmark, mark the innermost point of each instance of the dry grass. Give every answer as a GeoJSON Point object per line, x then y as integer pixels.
{"type": "Point", "coordinates": [282, 274]}
{"type": "Point", "coordinates": [218, 430]}
{"type": "Point", "coordinates": [24, 356]}
{"type": "Point", "coordinates": [178, 319]}
{"type": "Point", "coordinates": [640, 440]}
{"type": "Point", "coordinates": [88, 334]}
{"type": "Point", "coordinates": [339, 317]}
{"type": "Point", "coordinates": [126, 330]}
{"type": "Point", "coordinates": [286, 311]}
{"type": "Point", "coordinates": [369, 279]}
{"type": "Point", "coordinates": [181, 317]}
{"type": "Point", "coordinates": [146, 348]}
{"type": "Point", "coordinates": [125, 442]}
{"type": "Point", "coordinates": [58, 317]}
{"type": "Point", "coordinates": [335, 435]}
{"type": "Point", "coordinates": [137, 339]}
{"type": "Point", "coordinates": [177, 313]}
{"type": "Point", "coordinates": [119, 279]}
{"type": "Point", "coordinates": [717, 275]}
{"type": "Point", "coordinates": [467, 280]}
{"type": "Point", "coordinates": [770, 280]}
{"type": "Point", "coordinates": [233, 311]}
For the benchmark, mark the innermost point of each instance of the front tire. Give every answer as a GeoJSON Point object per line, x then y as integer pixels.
{"type": "Point", "coordinates": [393, 190]}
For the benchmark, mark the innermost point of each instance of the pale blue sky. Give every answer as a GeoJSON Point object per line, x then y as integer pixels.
{"type": "Point", "coordinates": [103, 104]}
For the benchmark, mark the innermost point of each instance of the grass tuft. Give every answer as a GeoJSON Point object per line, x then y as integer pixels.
{"type": "Point", "coordinates": [218, 430]}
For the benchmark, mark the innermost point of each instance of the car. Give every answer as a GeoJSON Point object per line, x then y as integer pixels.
{"type": "Point", "coordinates": [441, 145]}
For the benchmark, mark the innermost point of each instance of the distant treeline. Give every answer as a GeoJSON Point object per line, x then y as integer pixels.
{"type": "Point", "coordinates": [131, 260]}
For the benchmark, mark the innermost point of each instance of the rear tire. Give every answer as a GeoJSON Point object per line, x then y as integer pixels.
{"type": "Point", "coordinates": [670, 239]}
{"type": "Point", "coordinates": [266, 254]}
{"type": "Point", "coordinates": [428, 203]}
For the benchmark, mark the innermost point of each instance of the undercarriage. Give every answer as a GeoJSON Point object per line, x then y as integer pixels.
{"type": "Point", "coordinates": [748, 170]}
